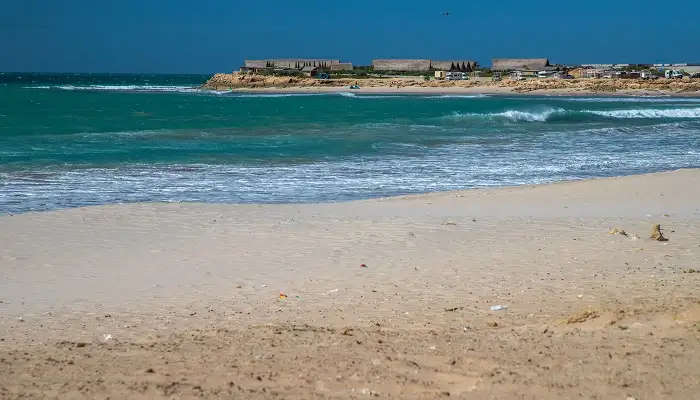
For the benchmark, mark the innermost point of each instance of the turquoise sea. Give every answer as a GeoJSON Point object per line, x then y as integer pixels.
{"type": "Point", "coordinates": [70, 140]}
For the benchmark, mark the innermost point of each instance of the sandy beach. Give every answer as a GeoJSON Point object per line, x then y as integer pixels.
{"type": "Point", "coordinates": [484, 89]}
{"type": "Point", "coordinates": [518, 292]}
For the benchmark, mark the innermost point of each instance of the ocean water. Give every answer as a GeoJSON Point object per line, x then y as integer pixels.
{"type": "Point", "coordinates": [71, 140]}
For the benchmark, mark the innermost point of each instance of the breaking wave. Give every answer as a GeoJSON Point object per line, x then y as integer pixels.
{"type": "Point", "coordinates": [650, 113]}
{"type": "Point", "coordinates": [512, 115]}
{"type": "Point", "coordinates": [131, 88]}
{"type": "Point", "coordinates": [275, 95]}
{"type": "Point", "coordinates": [459, 96]}
{"type": "Point", "coordinates": [563, 114]}
{"type": "Point", "coordinates": [639, 99]}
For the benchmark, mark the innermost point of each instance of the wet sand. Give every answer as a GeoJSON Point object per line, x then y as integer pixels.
{"type": "Point", "coordinates": [472, 90]}
{"type": "Point", "coordinates": [184, 300]}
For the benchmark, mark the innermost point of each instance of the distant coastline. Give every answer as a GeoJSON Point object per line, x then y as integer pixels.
{"type": "Point", "coordinates": [408, 84]}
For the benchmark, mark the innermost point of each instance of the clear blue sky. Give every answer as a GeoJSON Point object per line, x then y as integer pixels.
{"type": "Point", "coordinates": [210, 36]}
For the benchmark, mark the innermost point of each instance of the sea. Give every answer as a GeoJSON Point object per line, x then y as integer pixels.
{"type": "Point", "coordinates": [70, 140]}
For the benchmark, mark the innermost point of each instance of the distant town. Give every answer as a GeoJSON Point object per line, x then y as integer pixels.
{"type": "Point", "coordinates": [462, 69]}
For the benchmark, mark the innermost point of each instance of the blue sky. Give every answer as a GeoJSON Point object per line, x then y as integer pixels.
{"type": "Point", "coordinates": [210, 36]}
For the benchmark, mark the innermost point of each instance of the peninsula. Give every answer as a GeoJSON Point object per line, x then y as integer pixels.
{"type": "Point", "coordinates": [531, 76]}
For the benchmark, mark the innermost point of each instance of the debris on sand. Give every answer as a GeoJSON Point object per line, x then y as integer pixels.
{"type": "Point", "coordinates": [363, 265]}
{"type": "Point", "coordinates": [656, 233]}
{"type": "Point", "coordinates": [452, 309]}
{"type": "Point", "coordinates": [617, 231]}
{"type": "Point", "coordinates": [283, 296]}
{"type": "Point", "coordinates": [582, 317]}
{"type": "Point", "coordinates": [498, 307]}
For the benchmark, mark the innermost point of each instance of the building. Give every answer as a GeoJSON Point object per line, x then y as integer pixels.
{"type": "Point", "coordinates": [454, 65]}
{"type": "Point", "coordinates": [423, 65]}
{"type": "Point", "coordinates": [341, 67]}
{"type": "Point", "coordinates": [294, 64]}
{"type": "Point", "coordinates": [407, 65]}
{"type": "Point", "coordinates": [310, 70]}
{"type": "Point", "coordinates": [520, 64]}
{"type": "Point", "coordinates": [578, 72]}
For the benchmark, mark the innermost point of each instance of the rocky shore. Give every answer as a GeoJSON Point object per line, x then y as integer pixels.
{"type": "Point", "coordinates": [237, 81]}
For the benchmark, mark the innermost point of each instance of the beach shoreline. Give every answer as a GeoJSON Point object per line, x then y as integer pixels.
{"type": "Point", "coordinates": [475, 90]}
{"type": "Point", "coordinates": [416, 85]}
{"type": "Point", "coordinates": [508, 292]}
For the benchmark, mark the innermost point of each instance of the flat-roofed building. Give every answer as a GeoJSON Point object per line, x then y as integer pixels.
{"type": "Point", "coordinates": [520, 64]}
{"type": "Point", "coordinates": [292, 63]}
{"type": "Point", "coordinates": [454, 65]}
{"type": "Point", "coordinates": [341, 67]}
{"type": "Point", "coordinates": [423, 65]}
{"type": "Point", "coordinates": [408, 65]}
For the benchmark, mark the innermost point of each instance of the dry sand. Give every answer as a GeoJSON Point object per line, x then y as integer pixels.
{"type": "Point", "coordinates": [183, 300]}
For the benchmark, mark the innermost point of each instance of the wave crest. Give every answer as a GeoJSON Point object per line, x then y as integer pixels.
{"type": "Point", "coordinates": [512, 115]}
{"type": "Point", "coordinates": [649, 113]}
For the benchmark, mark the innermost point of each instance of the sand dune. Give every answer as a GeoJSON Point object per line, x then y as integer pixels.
{"type": "Point", "coordinates": [183, 300]}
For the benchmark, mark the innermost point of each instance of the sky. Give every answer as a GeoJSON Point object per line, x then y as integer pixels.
{"type": "Point", "coordinates": [184, 36]}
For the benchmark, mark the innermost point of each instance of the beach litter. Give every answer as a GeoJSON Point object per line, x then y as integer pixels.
{"type": "Point", "coordinates": [283, 296]}
{"type": "Point", "coordinates": [617, 231]}
{"type": "Point", "coordinates": [498, 307]}
{"type": "Point", "coordinates": [106, 337]}
{"type": "Point", "coordinates": [657, 234]}
{"type": "Point", "coordinates": [454, 309]}
{"type": "Point", "coordinates": [331, 291]}
{"type": "Point", "coordinates": [363, 265]}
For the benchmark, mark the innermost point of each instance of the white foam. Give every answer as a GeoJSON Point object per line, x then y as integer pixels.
{"type": "Point", "coordinates": [274, 95]}
{"type": "Point", "coordinates": [526, 116]}
{"type": "Point", "coordinates": [145, 88]}
{"type": "Point", "coordinates": [649, 113]}
{"type": "Point", "coordinates": [456, 96]}
{"type": "Point", "coordinates": [643, 99]}
{"type": "Point", "coordinates": [513, 115]}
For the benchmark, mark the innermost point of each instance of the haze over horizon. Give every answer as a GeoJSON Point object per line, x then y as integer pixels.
{"type": "Point", "coordinates": [185, 38]}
